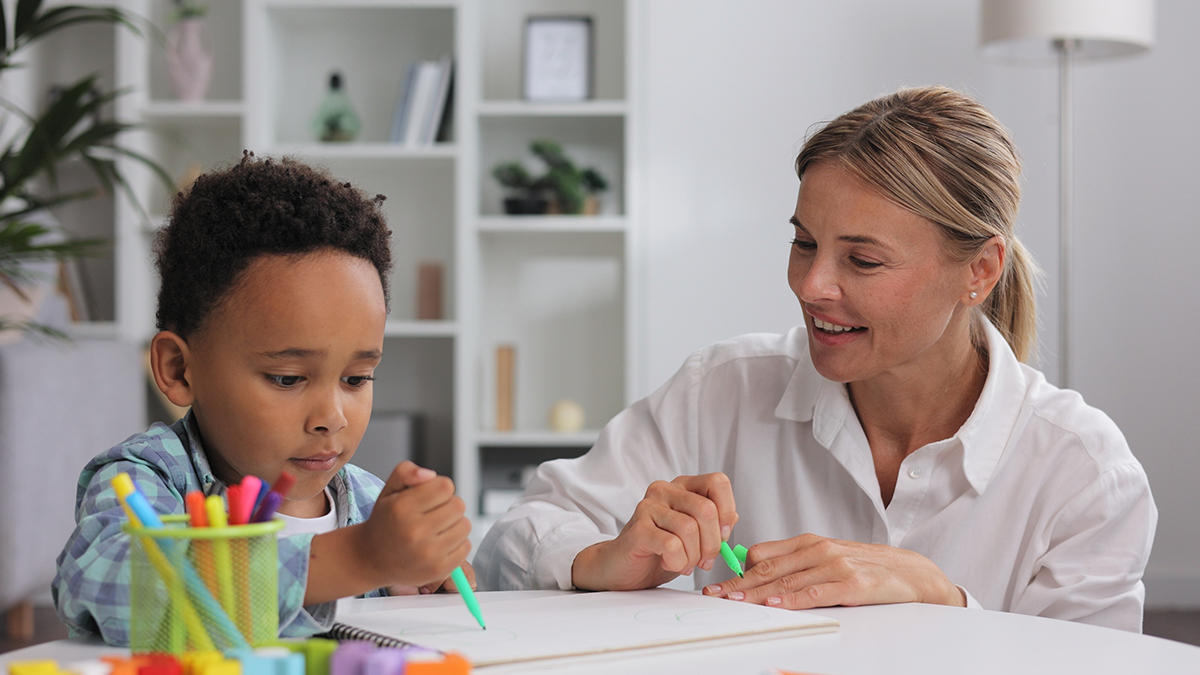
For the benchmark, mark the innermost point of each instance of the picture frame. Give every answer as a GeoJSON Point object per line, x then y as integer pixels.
{"type": "Point", "coordinates": [558, 61]}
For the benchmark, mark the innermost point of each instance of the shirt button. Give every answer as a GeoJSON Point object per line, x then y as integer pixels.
{"type": "Point", "coordinates": [914, 472]}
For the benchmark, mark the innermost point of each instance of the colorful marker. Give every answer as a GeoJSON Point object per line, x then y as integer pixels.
{"type": "Point", "coordinates": [468, 595]}
{"type": "Point", "coordinates": [282, 486]}
{"type": "Point", "coordinates": [253, 491]}
{"type": "Point", "coordinates": [195, 508]}
{"type": "Point", "coordinates": [269, 505]}
{"type": "Point", "coordinates": [221, 554]}
{"type": "Point", "coordinates": [731, 559]}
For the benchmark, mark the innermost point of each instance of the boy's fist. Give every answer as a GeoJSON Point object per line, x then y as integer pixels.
{"type": "Point", "coordinates": [417, 532]}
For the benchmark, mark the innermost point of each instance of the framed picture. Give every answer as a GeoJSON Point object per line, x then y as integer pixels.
{"type": "Point", "coordinates": [558, 59]}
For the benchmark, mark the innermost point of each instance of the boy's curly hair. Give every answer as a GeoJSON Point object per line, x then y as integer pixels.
{"type": "Point", "coordinates": [258, 207]}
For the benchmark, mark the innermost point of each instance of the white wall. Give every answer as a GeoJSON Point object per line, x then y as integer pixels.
{"type": "Point", "coordinates": [728, 91]}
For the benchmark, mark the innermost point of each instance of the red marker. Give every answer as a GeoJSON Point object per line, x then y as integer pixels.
{"type": "Point", "coordinates": [247, 493]}
{"type": "Point", "coordinates": [283, 484]}
{"type": "Point", "coordinates": [234, 494]}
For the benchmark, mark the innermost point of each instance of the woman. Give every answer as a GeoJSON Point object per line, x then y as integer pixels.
{"type": "Point", "coordinates": [894, 448]}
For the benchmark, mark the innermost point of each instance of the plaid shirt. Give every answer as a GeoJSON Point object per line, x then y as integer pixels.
{"type": "Point", "coordinates": [91, 589]}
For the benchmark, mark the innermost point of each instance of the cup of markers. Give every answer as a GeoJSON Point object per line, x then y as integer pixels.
{"type": "Point", "coordinates": [207, 580]}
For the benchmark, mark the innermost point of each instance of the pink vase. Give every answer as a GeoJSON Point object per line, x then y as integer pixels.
{"type": "Point", "coordinates": [190, 59]}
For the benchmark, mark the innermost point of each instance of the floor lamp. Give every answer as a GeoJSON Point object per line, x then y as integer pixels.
{"type": "Point", "coordinates": [1064, 31]}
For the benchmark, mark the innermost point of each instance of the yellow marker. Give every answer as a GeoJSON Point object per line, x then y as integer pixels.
{"type": "Point", "coordinates": [214, 506]}
{"type": "Point", "coordinates": [123, 484]}
{"type": "Point", "coordinates": [33, 668]}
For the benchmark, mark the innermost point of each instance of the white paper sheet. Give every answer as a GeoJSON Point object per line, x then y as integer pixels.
{"type": "Point", "coordinates": [586, 623]}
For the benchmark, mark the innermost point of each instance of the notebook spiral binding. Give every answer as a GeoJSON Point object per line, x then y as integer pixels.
{"type": "Point", "coordinates": [345, 632]}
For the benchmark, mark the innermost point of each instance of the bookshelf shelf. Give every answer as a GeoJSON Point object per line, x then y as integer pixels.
{"type": "Point", "coordinates": [192, 113]}
{"type": "Point", "coordinates": [353, 151]}
{"type": "Point", "coordinates": [538, 439]}
{"type": "Point", "coordinates": [551, 224]}
{"type": "Point", "coordinates": [538, 109]}
{"type": "Point", "coordinates": [396, 328]}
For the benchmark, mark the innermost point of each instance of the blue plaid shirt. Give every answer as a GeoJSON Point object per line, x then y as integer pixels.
{"type": "Point", "coordinates": [91, 589]}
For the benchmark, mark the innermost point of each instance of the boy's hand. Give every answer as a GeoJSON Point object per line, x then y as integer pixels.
{"type": "Point", "coordinates": [445, 585]}
{"type": "Point", "coordinates": [416, 536]}
{"type": "Point", "coordinates": [417, 532]}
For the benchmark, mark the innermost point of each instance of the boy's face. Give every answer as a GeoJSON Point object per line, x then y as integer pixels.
{"type": "Point", "coordinates": [282, 373]}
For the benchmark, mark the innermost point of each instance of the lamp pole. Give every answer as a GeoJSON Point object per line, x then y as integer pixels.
{"type": "Point", "coordinates": [1066, 49]}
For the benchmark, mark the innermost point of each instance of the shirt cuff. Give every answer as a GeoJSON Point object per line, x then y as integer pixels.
{"type": "Point", "coordinates": [551, 569]}
{"type": "Point", "coordinates": [972, 603]}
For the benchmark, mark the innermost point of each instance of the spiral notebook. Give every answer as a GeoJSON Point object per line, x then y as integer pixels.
{"type": "Point", "coordinates": [343, 632]}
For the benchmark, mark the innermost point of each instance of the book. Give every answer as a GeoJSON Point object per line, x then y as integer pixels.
{"type": "Point", "coordinates": [403, 103]}
{"type": "Point", "coordinates": [437, 104]}
{"type": "Point", "coordinates": [424, 90]}
{"type": "Point", "coordinates": [423, 108]}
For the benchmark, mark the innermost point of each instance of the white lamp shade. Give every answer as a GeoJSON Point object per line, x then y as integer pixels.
{"type": "Point", "coordinates": [1025, 30]}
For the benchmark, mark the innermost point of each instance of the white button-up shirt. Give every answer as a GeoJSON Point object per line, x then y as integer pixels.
{"type": "Point", "coordinates": [1035, 506]}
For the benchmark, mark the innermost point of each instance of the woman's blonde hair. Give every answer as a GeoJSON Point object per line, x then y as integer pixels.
{"type": "Point", "coordinates": [943, 156]}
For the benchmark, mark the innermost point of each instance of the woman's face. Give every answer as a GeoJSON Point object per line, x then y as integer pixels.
{"type": "Point", "coordinates": [880, 297]}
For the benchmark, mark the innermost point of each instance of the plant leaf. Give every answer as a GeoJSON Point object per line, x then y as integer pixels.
{"type": "Point", "coordinates": [66, 15]}
{"type": "Point", "coordinates": [26, 12]}
{"type": "Point", "coordinates": [34, 330]}
{"type": "Point", "coordinates": [4, 28]}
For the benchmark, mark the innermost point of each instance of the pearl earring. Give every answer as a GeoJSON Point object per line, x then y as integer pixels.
{"type": "Point", "coordinates": [974, 295]}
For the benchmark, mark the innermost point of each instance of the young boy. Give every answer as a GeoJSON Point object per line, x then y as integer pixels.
{"type": "Point", "coordinates": [271, 317]}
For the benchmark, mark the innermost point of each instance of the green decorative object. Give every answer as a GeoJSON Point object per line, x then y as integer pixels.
{"type": "Point", "coordinates": [563, 188]}
{"type": "Point", "coordinates": [336, 120]}
{"type": "Point", "coordinates": [71, 128]}
{"type": "Point", "coordinates": [189, 9]}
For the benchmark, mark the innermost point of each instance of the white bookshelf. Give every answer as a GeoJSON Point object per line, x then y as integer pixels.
{"type": "Point", "coordinates": [558, 287]}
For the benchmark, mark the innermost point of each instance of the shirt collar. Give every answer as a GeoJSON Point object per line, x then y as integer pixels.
{"type": "Point", "coordinates": [986, 432]}
{"type": "Point", "coordinates": [809, 397]}
{"type": "Point", "coordinates": [187, 431]}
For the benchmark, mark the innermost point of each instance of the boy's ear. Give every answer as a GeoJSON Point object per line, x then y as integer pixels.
{"type": "Point", "coordinates": [169, 355]}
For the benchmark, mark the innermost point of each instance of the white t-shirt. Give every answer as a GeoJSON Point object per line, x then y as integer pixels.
{"type": "Point", "coordinates": [320, 525]}
{"type": "Point", "coordinates": [1035, 506]}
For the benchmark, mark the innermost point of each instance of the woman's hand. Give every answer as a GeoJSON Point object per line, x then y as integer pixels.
{"type": "Point", "coordinates": [810, 571]}
{"type": "Point", "coordinates": [676, 527]}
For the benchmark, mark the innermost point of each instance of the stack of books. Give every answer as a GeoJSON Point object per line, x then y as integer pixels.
{"type": "Point", "coordinates": [423, 111]}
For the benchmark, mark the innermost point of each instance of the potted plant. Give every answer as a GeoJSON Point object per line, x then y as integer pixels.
{"type": "Point", "coordinates": [563, 188]}
{"type": "Point", "coordinates": [70, 128]}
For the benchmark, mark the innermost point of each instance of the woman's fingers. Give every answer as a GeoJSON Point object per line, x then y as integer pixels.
{"type": "Point", "coordinates": [716, 488]}
{"type": "Point", "coordinates": [810, 571]}
{"type": "Point", "coordinates": [662, 529]}
{"type": "Point", "coordinates": [693, 517]}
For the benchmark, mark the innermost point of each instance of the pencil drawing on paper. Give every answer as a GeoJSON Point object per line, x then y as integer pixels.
{"type": "Point", "coordinates": [461, 635]}
{"type": "Point", "coordinates": [692, 617]}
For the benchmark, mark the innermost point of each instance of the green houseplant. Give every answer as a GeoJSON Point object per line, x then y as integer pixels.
{"type": "Point", "coordinates": [563, 188]}
{"type": "Point", "coordinates": [71, 128]}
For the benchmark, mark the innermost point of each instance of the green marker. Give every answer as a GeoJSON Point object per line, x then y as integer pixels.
{"type": "Point", "coordinates": [731, 559]}
{"type": "Point", "coordinates": [468, 595]}
{"type": "Point", "coordinates": [741, 551]}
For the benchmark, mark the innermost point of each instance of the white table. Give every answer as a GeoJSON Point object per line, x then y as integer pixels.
{"type": "Point", "coordinates": [885, 639]}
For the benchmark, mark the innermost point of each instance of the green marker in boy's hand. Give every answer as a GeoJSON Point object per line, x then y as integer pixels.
{"type": "Point", "coordinates": [731, 559]}
{"type": "Point", "coordinates": [468, 595]}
